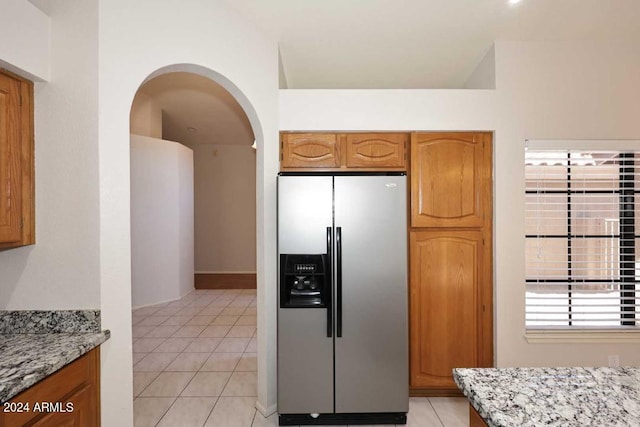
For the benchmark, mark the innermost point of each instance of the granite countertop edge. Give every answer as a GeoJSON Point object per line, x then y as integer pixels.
{"type": "Point", "coordinates": [473, 400]}
{"type": "Point", "coordinates": [37, 343]}
{"type": "Point", "coordinates": [26, 359]}
{"type": "Point", "coordinates": [553, 396]}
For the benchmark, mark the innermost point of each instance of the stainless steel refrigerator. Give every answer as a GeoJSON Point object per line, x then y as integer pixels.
{"type": "Point", "coordinates": [342, 302]}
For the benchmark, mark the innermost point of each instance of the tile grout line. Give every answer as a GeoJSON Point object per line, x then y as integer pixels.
{"type": "Point", "coordinates": [435, 412]}
{"type": "Point", "coordinates": [244, 309]}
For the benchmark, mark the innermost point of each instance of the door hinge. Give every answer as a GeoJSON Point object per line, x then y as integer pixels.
{"type": "Point", "coordinates": [21, 223]}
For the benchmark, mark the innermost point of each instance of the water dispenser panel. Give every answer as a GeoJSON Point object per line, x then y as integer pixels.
{"type": "Point", "coordinates": [304, 281]}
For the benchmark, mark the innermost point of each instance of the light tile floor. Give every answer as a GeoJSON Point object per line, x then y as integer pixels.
{"type": "Point", "coordinates": [195, 365]}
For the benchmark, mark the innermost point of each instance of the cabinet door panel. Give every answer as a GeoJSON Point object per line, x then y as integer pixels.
{"type": "Point", "coordinates": [445, 276]}
{"type": "Point", "coordinates": [73, 391]}
{"type": "Point", "coordinates": [310, 150]}
{"type": "Point", "coordinates": [10, 161]}
{"type": "Point", "coordinates": [448, 181]}
{"type": "Point", "coordinates": [81, 411]}
{"type": "Point", "coordinates": [376, 150]}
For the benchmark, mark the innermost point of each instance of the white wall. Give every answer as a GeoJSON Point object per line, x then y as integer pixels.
{"type": "Point", "coordinates": [61, 271]}
{"type": "Point", "coordinates": [161, 220]}
{"type": "Point", "coordinates": [563, 90]}
{"type": "Point", "coordinates": [205, 37]}
{"type": "Point", "coordinates": [543, 90]}
{"type": "Point", "coordinates": [225, 208]}
{"type": "Point", "coordinates": [24, 30]}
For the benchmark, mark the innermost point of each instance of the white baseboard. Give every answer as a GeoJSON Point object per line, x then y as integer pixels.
{"type": "Point", "coordinates": [266, 412]}
{"type": "Point", "coordinates": [135, 307]}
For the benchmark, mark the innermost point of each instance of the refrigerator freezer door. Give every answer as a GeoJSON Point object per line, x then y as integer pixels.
{"type": "Point", "coordinates": [371, 356]}
{"type": "Point", "coordinates": [305, 210]}
{"type": "Point", "coordinates": [305, 353]}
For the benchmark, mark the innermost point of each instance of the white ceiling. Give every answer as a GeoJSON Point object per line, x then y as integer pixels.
{"type": "Point", "coordinates": [196, 110]}
{"type": "Point", "coordinates": [381, 44]}
{"type": "Point", "coordinates": [408, 44]}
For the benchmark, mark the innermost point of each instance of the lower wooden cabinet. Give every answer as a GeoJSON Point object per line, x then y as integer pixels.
{"type": "Point", "coordinates": [69, 397]}
{"type": "Point", "coordinates": [450, 302]}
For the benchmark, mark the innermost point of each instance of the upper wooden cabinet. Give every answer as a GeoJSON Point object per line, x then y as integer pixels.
{"type": "Point", "coordinates": [366, 150]}
{"type": "Point", "coordinates": [310, 150]}
{"type": "Point", "coordinates": [450, 177]}
{"type": "Point", "coordinates": [340, 151]}
{"type": "Point", "coordinates": [16, 162]}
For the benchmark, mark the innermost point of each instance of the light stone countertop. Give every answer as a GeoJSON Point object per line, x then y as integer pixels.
{"type": "Point", "coordinates": [35, 344]}
{"type": "Point", "coordinates": [507, 397]}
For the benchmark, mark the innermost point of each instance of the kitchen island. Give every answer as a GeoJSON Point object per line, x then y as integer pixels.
{"type": "Point", "coordinates": [505, 397]}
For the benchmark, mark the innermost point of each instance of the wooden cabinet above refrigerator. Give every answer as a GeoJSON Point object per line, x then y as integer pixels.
{"type": "Point", "coordinates": [343, 151]}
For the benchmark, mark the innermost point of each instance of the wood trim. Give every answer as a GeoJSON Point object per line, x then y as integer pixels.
{"type": "Point", "coordinates": [475, 420]}
{"type": "Point", "coordinates": [485, 356]}
{"type": "Point", "coordinates": [434, 392]}
{"type": "Point", "coordinates": [225, 281]}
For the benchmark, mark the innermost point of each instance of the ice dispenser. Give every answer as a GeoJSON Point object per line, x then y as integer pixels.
{"type": "Point", "coordinates": [304, 281]}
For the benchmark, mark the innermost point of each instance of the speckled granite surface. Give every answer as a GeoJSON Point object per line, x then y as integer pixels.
{"type": "Point", "coordinates": [46, 322]}
{"type": "Point", "coordinates": [25, 359]}
{"type": "Point", "coordinates": [553, 396]}
{"type": "Point", "coordinates": [35, 344]}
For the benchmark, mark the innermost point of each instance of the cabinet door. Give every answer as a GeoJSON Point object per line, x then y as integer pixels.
{"type": "Point", "coordinates": [77, 410]}
{"type": "Point", "coordinates": [446, 269]}
{"type": "Point", "coordinates": [450, 175]}
{"type": "Point", "coordinates": [310, 150]}
{"type": "Point", "coordinates": [73, 391]}
{"type": "Point", "coordinates": [10, 161]}
{"type": "Point", "coordinates": [376, 150]}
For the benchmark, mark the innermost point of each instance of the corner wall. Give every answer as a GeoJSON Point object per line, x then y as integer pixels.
{"type": "Point", "coordinates": [161, 220]}
{"type": "Point", "coordinates": [225, 208]}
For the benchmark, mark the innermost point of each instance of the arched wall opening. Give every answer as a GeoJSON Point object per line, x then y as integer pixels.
{"type": "Point", "coordinates": [115, 231]}
{"type": "Point", "coordinates": [193, 190]}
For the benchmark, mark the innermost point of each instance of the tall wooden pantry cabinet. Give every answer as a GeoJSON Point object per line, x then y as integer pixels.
{"type": "Point", "coordinates": [450, 258]}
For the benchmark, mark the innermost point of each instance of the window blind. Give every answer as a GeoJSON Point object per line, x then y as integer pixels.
{"type": "Point", "coordinates": [582, 213]}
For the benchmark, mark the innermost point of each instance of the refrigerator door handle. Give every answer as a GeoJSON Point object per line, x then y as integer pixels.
{"type": "Point", "coordinates": [329, 285]}
{"type": "Point", "coordinates": [339, 282]}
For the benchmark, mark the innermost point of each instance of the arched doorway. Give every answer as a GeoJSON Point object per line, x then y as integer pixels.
{"type": "Point", "coordinates": [199, 348]}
